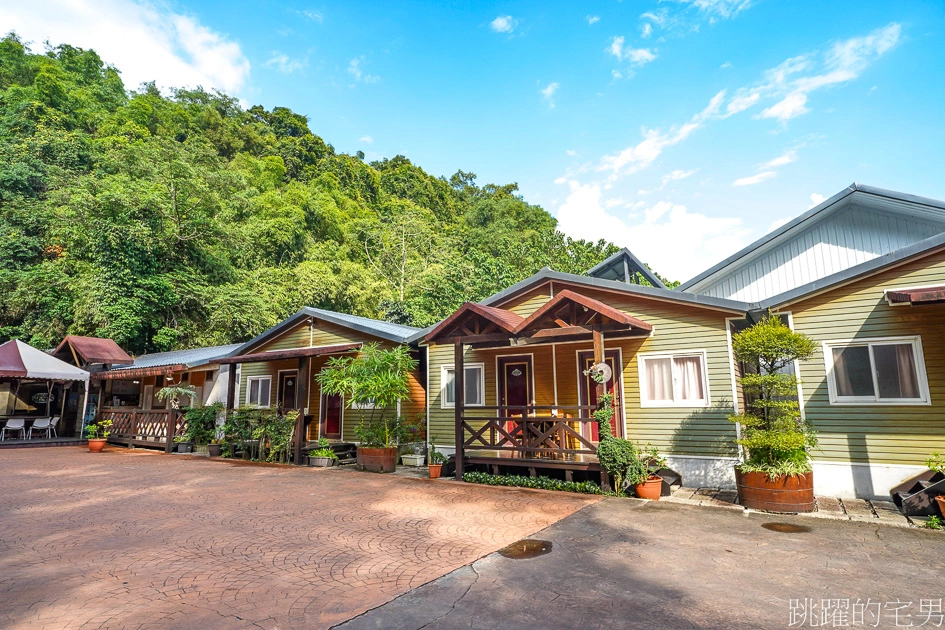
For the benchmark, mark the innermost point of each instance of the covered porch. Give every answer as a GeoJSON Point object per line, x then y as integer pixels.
{"type": "Point", "coordinates": [542, 416]}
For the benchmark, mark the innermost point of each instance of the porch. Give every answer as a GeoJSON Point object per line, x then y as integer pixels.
{"type": "Point", "coordinates": [151, 429]}
{"type": "Point", "coordinates": [537, 421]}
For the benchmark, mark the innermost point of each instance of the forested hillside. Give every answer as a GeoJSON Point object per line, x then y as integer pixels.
{"type": "Point", "coordinates": [175, 221]}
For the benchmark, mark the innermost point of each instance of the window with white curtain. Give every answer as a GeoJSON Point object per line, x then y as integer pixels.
{"type": "Point", "coordinates": [258, 390]}
{"type": "Point", "coordinates": [474, 384]}
{"type": "Point", "coordinates": [673, 380]}
{"type": "Point", "coordinates": [881, 371]}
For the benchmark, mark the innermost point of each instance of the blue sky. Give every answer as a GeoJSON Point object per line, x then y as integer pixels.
{"type": "Point", "coordinates": [680, 129]}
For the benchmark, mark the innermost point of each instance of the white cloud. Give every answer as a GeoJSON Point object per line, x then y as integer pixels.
{"type": "Point", "coordinates": [636, 56]}
{"type": "Point", "coordinates": [646, 30]}
{"type": "Point", "coordinates": [642, 154]}
{"type": "Point", "coordinates": [571, 152]}
{"type": "Point", "coordinates": [503, 24]}
{"type": "Point", "coordinates": [146, 42]}
{"type": "Point", "coordinates": [549, 92]}
{"type": "Point", "coordinates": [782, 160]}
{"type": "Point", "coordinates": [592, 19]}
{"type": "Point", "coordinates": [310, 14]}
{"type": "Point", "coordinates": [675, 176]}
{"type": "Point", "coordinates": [675, 242]}
{"type": "Point", "coordinates": [726, 65]}
{"type": "Point", "coordinates": [283, 63]}
{"type": "Point", "coordinates": [816, 199]}
{"type": "Point", "coordinates": [776, 224]}
{"type": "Point", "coordinates": [720, 8]}
{"type": "Point", "coordinates": [366, 139]}
{"type": "Point", "coordinates": [796, 78]}
{"type": "Point", "coordinates": [754, 179]}
{"type": "Point", "coordinates": [354, 69]}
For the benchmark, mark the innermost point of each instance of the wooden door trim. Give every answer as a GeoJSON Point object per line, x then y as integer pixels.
{"type": "Point", "coordinates": [582, 385]}
{"type": "Point", "coordinates": [279, 374]}
{"type": "Point", "coordinates": [527, 357]}
{"type": "Point", "coordinates": [323, 421]}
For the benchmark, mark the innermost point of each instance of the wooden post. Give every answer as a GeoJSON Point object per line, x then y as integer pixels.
{"type": "Point", "coordinates": [231, 388]}
{"type": "Point", "coordinates": [599, 358]}
{"type": "Point", "coordinates": [134, 428]}
{"type": "Point", "coordinates": [170, 431]}
{"type": "Point", "coordinates": [301, 401]}
{"type": "Point", "coordinates": [459, 398]}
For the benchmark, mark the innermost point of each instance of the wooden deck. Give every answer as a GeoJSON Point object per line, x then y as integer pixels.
{"type": "Point", "coordinates": [149, 429]}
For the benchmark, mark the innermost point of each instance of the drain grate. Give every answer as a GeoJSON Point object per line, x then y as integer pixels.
{"type": "Point", "coordinates": [527, 548]}
{"type": "Point", "coordinates": [786, 528]}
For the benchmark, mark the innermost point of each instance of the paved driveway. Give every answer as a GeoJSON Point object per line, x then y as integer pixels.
{"type": "Point", "coordinates": [132, 539]}
{"type": "Point", "coordinates": [623, 563]}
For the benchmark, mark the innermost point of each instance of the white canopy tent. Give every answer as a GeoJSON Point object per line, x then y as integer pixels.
{"type": "Point", "coordinates": [22, 362]}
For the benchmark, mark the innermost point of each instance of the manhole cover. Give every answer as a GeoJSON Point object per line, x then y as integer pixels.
{"type": "Point", "coordinates": [527, 548]}
{"type": "Point", "coordinates": [786, 528]}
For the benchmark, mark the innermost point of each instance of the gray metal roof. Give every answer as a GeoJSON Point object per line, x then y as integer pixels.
{"type": "Point", "coordinates": [616, 266]}
{"type": "Point", "coordinates": [191, 358]}
{"type": "Point", "coordinates": [818, 212]}
{"type": "Point", "coordinates": [614, 285]}
{"type": "Point", "coordinates": [384, 330]}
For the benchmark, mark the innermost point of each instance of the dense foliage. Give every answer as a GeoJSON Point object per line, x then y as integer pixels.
{"type": "Point", "coordinates": [540, 483]}
{"type": "Point", "coordinates": [775, 438]}
{"type": "Point", "coordinates": [168, 221]}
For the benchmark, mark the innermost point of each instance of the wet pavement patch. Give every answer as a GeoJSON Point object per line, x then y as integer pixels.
{"type": "Point", "coordinates": [527, 548]}
{"type": "Point", "coordinates": [786, 528]}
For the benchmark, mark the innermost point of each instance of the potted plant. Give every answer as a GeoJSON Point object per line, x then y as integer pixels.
{"type": "Point", "coordinates": [373, 381]}
{"type": "Point", "coordinates": [215, 448]}
{"type": "Point", "coordinates": [617, 456]}
{"type": "Point", "coordinates": [183, 445]}
{"type": "Point", "coordinates": [776, 474]}
{"type": "Point", "coordinates": [97, 433]}
{"type": "Point", "coordinates": [173, 394]}
{"type": "Point", "coordinates": [437, 459]}
{"type": "Point", "coordinates": [936, 463]}
{"type": "Point", "coordinates": [201, 426]}
{"type": "Point", "coordinates": [415, 457]}
{"type": "Point", "coordinates": [642, 474]}
{"type": "Point", "coordinates": [323, 456]}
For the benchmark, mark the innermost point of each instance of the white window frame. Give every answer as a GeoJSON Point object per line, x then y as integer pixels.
{"type": "Point", "coordinates": [468, 366]}
{"type": "Point", "coordinates": [249, 388]}
{"type": "Point", "coordinates": [684, 404]}
{"type": "Point", "coordinates": [368, 404]}
{"type": "Point", "coordinates": [921, 375]}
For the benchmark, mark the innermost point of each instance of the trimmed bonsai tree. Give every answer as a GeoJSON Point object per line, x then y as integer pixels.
{"type": "Point", "coordinates": [775, 440]}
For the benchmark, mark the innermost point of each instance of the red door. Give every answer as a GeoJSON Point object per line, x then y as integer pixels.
{"type": "Point", "coordinates": [588, 393]}
{"type": "Point", "coordinates": [330, 416]}
{"type": "Point", "coordinates": [515, 387]}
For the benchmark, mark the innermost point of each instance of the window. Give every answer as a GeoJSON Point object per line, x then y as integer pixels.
{"type": "Point", "coordinates": [257, 390]}
{"type": "Point", "coordinates": [475, 386]}
{"type": "Point", "coordinates": [367, 403]}
{"type": "Point", "coordinates": [677, 380]}
{"type": "Point", "coordinates": [877, 371]}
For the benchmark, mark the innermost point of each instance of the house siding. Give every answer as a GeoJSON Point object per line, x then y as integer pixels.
{"type": "Point", "coordinates": [677, 328]}
{"type": "Point", "coordinates": [876, 434]}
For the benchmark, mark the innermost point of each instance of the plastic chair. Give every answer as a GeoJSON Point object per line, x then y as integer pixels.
{"type": "Point", "coordinates": [53, 424]}
{"type": "Point", "coordinates": [14, 424]}
{"type": "Point", "coordinates": [40, 424]}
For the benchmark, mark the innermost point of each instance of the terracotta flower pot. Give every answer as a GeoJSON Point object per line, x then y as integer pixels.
{"type": "Point", "coordinates": [784, 493]}
{"type": "Point", "coordinates": [649, 489]}
{"type": "Point", "coordinates": [435, 470]}
{"type": "Point", "coordinates": [96, 446]}
{"type": "Point", "coordinates": [940, 499]}
{"type": "Point", "coordinates": [377, 459]}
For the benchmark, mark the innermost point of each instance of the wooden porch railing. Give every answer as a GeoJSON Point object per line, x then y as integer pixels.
{"type": "Point", "coordinates": [145, 428]}
{"type": "Point", "coordinates": [529, 432]}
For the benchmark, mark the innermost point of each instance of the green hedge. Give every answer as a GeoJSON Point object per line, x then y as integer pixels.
{"type": "Point", "coordinates": [541, 483]}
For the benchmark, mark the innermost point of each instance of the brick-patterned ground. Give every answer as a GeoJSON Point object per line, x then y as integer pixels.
{"type": "Point", "coordinates": [140, 540]}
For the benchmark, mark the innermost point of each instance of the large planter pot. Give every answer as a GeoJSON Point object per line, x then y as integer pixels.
{"type": "Point", "coordinates": [784, 493]}
{"type": "Point", "coordinates": [649, 489]}
{"type": "Point", "coordinates": [215, 450]}
{"type": "Point", "coordinates": [320, 462]}
{"type": "Point", "coordinates": [435, 470]}
{"type": "Point", "coordinates": [96, 446]}
{"type": "Point", "coordinates": [185, 447]}
{"type": "Point", "coordinates": [941, 504]}
{"type": "Point", "coordinates": [377, 459]}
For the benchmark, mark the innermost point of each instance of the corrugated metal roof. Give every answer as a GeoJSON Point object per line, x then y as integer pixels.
{"type": "Point", "coordinates": [401, 332]}
{"type": "Point", "coordinates": [191, 358]}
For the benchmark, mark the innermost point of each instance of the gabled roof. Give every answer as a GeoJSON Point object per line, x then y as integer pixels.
{"type": "Point", "coordinates": [593, 310]}
{"type": "Point", "coordinates": [622, 266]}
{"type": "Point", "coordinates": [384, 330]}
{"type": "Point", "coordinates": [497, 320]}
{"type": "Point", "coordinates": [187, 359]}
{"type": "Point", "coordinates": [655, 293]}
{"type": "Point", "coordinates": [91, 350]}
{"type": "Point", "coordinates": [888, 199]}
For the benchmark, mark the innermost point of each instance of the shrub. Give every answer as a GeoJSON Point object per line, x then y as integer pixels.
{"type": "Point", "coordinates": [936, 463]}
{"type": "Point", "coordinates": [775, 438]}
{"type": "Point", "coordinates": [540, 483]}
{"type": "Point", "coordinates": [202, 423]}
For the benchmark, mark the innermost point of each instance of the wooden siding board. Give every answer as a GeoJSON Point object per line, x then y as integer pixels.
{"type": "Point", "coordinates": [901, 434]}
